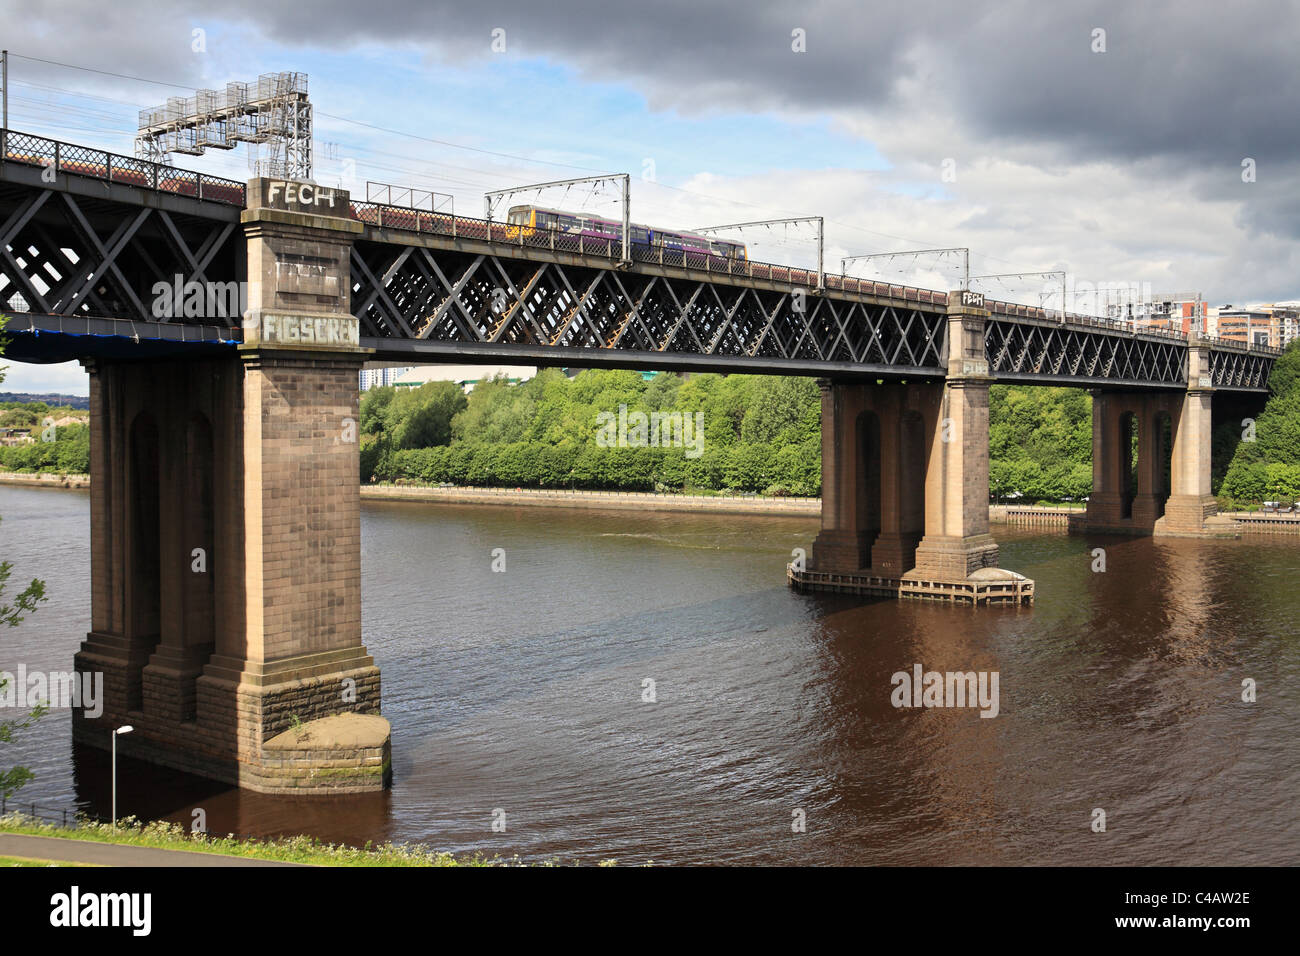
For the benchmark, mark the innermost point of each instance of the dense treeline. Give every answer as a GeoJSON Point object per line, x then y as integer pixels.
{"type": "Point", "coordinates": [760, 434]}
{"type": "Point", "coordinates": [31, 414]}
{"type": "Point", "coordinates": [1268, 468]}
{"type": "Point", "coordinates": [756, 433]}
{"type": "Point", "coordinates": [64, 450]}
{"type": "Point", "coordinates": [1040, 443]}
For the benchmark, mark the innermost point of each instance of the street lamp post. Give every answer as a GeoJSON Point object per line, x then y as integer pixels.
{"type": "Point", "coordinates": [124, 729]}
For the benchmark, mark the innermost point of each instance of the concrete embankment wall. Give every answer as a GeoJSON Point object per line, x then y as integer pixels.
{"type": "Point", "coordinates": [1033, 515]}
{"type": "Point", "coordinates": [44, 481]}
{"type": "Point", "coordinates": [1020, 515]}
{"type": "Point", "coordinates": [1255, 522]}
{"type": "Point", "coordinates": [1248, 522]}
{"type": "Point", "coordinates": [619, 500]}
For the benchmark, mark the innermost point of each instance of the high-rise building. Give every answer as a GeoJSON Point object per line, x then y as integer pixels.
{"type": "Point", "coordinates": [379, 377]}
{"type": "Point", "coordinates": [1249, 324]}
{"type": "Point", "coordinates": [1170, 311]}
{"type": "Point", "coordinates": [466, 376]}
{"type": "Point", "coordinates": [1284, 323]}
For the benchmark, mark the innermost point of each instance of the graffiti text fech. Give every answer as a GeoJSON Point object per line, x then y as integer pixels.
{"type": "Point", "coordinates": [313, 330]}
{"type": "Point", "coordinates": [299, 194]}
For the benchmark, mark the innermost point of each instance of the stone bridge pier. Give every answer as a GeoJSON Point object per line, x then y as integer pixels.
{"type": "Point", "coordinates": [226, 532]}
{"type": "Point", "coordinates": [905, 484]}
{"type": "Point", "coordinates": [1151, 460]}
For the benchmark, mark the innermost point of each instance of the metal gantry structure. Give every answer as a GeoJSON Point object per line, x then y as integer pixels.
{"type": "Point", "coordinates": [915, 253]}
{"type": "Point", "coordinates": [408, 197]}
{"type": "Point", "coordinates": [821, 236]}
{"type": "Point", "coordinates": [491, 199]}
{"type": "Point", "coordinates": [272, 112]}
{"type": "Point", "coordinates": [1025, 275]}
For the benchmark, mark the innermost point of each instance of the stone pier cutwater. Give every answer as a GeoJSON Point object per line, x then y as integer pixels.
{"type": "Point", "coordinates": [1164, 489]}
{"type": "Point", "coordinates": [226, 529]}
{"type": "Point", "coordinates": [905, 484]}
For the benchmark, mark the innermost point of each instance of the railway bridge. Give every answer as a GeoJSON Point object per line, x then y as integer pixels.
{"type": "Point", "coordinates": [223, 325]}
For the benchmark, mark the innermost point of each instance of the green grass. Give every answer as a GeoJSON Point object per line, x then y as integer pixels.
{"type": "Point", "coordinates": [297, 849]}
{"type": "Point", "coordinates": [32, 861]}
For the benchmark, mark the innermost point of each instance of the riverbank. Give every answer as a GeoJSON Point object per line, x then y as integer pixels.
{"type": "Point", "coordinates": [604, 500]}
{"type": "Point", "coordinates": [1035, 515]}
{"type": "Point", "coordinates": [169, 844]}
{"type": "Point", "coordinates": [44, 479]}
{"type": "Point", "coordinates": [534, 497]}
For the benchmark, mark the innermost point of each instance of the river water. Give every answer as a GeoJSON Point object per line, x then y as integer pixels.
{"type": "Point", "coordinates": [523, 692]}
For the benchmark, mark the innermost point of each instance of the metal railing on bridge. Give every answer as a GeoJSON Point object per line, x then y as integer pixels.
{"type": "Point", "coordinates": [30, 150]}
{"type": "Point", "coordinates": [1016, 310]}
{"type": "Point", "coordinates": [464, 227]}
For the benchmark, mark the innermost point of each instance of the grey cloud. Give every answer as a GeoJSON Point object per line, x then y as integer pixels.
{"type": "Point", "coordinates": [1178, 78]}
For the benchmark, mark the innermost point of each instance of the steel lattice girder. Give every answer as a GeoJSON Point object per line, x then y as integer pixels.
{"type": "Point", "coordinates": [69, 255]}
{"type": "Point", "coordinates": [454, 296]}
{"type": "Point", "coordinates": [1231, 369]}
{"type": "Point", "coordinates": [1028, 351]}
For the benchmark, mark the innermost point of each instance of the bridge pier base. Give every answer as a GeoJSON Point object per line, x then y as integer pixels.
{"type": "Point", "coordinates": [1192, 510]}
{"type": "Point", "coordinates": [1151, 461]}
{"type": "Point", "coordinates": [850, 478]}
{"type": "Point", "coordinates": [905, 486]}
{"type": "Point", "coordinates": [226, 539]}
{"type": "Point", "coordinates": [957, 541]}
{"type": "Point", "coordinates": [225, 603]}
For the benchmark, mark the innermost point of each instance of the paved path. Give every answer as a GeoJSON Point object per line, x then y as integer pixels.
{"type": "Point", "coordinates": [114, 854]}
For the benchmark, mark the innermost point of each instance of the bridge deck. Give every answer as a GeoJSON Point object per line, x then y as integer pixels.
{"type": "Point", "coordinates": [431, 287]}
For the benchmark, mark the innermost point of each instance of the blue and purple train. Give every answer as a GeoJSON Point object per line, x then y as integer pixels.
{"type": "Point", "coordinates": [532, 219]}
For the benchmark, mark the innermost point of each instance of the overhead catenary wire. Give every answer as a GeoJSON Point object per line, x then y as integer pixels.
{"type": "Point", "coordinates": [477, 149]}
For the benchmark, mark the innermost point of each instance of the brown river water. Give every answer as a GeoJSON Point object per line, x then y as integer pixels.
{"type": "Point", "coordinates": [522, 691]}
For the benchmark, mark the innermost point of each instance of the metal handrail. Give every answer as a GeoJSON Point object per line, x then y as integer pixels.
{"type": "Point", "coordinates": [32, 150]}
{"type": "Point", "coordinates": [391, 217]}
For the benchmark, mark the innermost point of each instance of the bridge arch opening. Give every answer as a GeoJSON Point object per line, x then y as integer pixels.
{"type": "Point", "coordinates": [1128, 463]}
{"type": "Point", "coordinates": [868, 487]}
{"type": "Point", "coordinates": [144, 565]}
{"type": "Point", "coordinates": [1162, 433]}
{"type": "Point", "coordinates": [199, 589]}
{"type": "Point", "coordinates": [911, 492]}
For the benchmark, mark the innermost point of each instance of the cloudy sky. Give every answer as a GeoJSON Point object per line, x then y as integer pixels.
{"type": "Point", "coordinates": [1126, 143]}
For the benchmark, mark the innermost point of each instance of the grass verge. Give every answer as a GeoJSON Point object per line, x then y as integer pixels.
{"type": "Point", "coordinates": [297, 849]}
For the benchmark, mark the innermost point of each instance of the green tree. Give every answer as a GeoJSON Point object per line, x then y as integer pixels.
{"type": "Point", "coordinates": [11, 615]}
{"type": "Point", "coordinates": [777, 412]}
{"type": "Point", "coordinates": [1040, 443]}
{"type": "Point", "coordinates": [1259, 470]}
{"type": "Point", "coordinates": [421, 417]}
